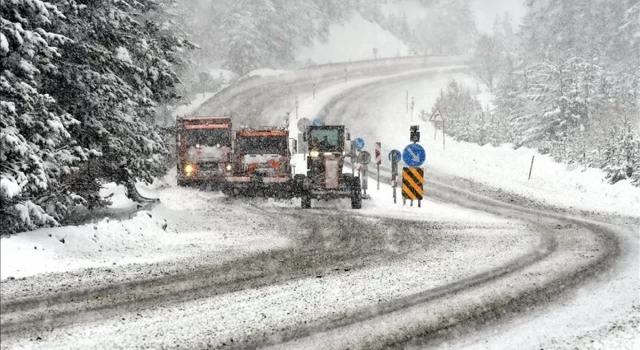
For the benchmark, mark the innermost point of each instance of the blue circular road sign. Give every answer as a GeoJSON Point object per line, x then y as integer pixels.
{"type": "Point", "coordinates": [395, 156]}
{"type": "Point", "coordinates": [414, 155]}
{"type": "Point", "coordinates": [317, 122]}
{"type": "Point", "coordinates": [359, 143]}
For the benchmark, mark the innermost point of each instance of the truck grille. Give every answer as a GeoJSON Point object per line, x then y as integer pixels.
{"type": "Point", "coordinates": [208, 167]}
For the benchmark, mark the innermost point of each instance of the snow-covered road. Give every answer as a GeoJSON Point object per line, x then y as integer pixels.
{"type": "Point", "coordinates": [589, 319]}
{"type": "Point", "coordinates": [259, 273]}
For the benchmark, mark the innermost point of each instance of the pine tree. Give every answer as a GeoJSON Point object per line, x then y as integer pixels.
{"type": "Point", "coordinates": [488, 60]}
{"type": "Point", "coordinates": [266, 33]}
{"type": "Point", "coordinates": [112, 74]}
{"type": "Point", "coordinates": [461, 109]}
{"type": "Point", "coordinates": [35, 150]}
{"type": "Point", "coordinates": [567, 93]}
{"type": "Point", "coordinates": [79, 89]}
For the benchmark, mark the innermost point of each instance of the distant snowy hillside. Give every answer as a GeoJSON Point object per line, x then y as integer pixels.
{"type": "Point", "coordinates": [414, 10]}
{"type": "Point", "coordinates": [353, 40]}
{"type": "Point", "coordinates": [486, 11]}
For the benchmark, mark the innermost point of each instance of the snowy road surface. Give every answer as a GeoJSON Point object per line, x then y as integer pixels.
{"type": "Point", "coordinates": [471, 268]}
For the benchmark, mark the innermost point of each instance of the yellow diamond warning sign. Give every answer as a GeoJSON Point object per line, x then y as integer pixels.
{"type": "Point", "coordinates": [412, 183]}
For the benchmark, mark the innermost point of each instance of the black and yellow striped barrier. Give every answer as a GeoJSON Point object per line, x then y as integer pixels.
{"type": "Point", "coordinates": [412, 184]}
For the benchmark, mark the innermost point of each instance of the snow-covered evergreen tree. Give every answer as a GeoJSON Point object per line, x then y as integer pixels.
{"type": "Point", "coordinates": [488, 59]}
{"type": "Point", "coordinates": [79, 86]}
{"type": "Point", "coordinates": [35, 146]}
{"type": "Point", "coordinates": [246, 42]}
{"type": "Point", "coordinates": [266, 33]}
{"type": "Point", "coordinates": [458, 104]}
{"type": "Point", "coordinates": [112, 74]}
{"type": "Point", "coordinates": [575, 88]}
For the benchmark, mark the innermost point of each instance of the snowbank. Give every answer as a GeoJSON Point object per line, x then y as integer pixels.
{"type": "Point", "coordinates": [168, 231]}
{"type": "Point", "coordinates": [500, 167]}
{"type": "Point", "coordinates": [194, 104]}
{"type": "Point", "coordinates": [225, 73]}
{"type": "Point", "coordinates": [266, 72]}
{"type": "Point", "coordinates": [353, 41]}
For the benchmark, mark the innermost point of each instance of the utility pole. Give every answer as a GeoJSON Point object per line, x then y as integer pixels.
{"type": "Point", "coordinates": [412, 106]}
{"type": "Point", "coordinates": [407, 103]}
{"type": "Point", "coordinates": [443, 136]}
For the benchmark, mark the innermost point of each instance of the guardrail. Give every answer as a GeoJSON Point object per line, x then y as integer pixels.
{"type": "Point", "coordinates": [413, 60]}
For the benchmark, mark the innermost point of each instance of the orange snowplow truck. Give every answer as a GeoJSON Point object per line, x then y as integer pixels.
{"type": "Point", "coordinates": [204, 150]}
{"type": "Point", "coordinates": [261, 163]}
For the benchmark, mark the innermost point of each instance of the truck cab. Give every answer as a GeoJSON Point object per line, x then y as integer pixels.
{"type": "Point", "coordinates": [204, 149]}
{"type": "Point", "coordinates": [261, 163]}
{"type": "Point", "coordinates": [325, 178]}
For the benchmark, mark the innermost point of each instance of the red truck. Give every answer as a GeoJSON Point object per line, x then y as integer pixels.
{"type": "Point", "coordinates": [261, 163]}
{"type": "Point", "coordinates": [204, 150]}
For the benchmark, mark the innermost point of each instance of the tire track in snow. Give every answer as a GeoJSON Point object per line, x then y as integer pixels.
{"type": "Point", "coordinates": [165, 287]}
{"type": "Point", "coordinates": [321, 245]}
{"type": "Point", "coordinates": [559, 280]}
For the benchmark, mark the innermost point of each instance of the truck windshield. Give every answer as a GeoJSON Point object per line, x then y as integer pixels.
{"type": "Point", "coordinates": [263, 145]}
{"type": "Point", "coordinates": [325, 140]}
{"type": "Point", "coordinates": [208, 137]}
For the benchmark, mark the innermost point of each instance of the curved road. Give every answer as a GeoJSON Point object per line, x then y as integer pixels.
{"type": "Point", "coordinates": [533, 256]}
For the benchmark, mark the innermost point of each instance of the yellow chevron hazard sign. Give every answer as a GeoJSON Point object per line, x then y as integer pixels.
{"type": "Point", "coordinates": [412, 183]}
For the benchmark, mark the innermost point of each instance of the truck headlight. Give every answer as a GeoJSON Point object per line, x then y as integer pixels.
{"type": "Point", "coordinates": [189, 168]}
{"type": "Point", "coordinates": [229, 167]}
{"type": "Point", "coordinates": [314, 154]}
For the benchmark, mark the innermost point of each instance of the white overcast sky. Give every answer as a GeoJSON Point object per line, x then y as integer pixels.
{"type": "Point", "coordinates": [486, 11]}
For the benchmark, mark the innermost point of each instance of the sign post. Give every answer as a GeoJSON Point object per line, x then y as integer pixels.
{"type": "Point", "coordinates": [407, 103]}
{"type": "Point", "coordinates": [394, 157]}
{"type": "Point", "coordinates": [437, 117]}
{"type": "Point", "coordinates": [443, 136]}
{"type": "Point", "coordinates": [303, 124]}
{"type": "Point", "coordinates": [364, 158]}
{"type": "Point", "coordinates": [358, 145]}
{"type": "Point", "coordinates": [413, 102]}
{"type": "Point", "coordinates": [353, 158]}
{"type": "Point", "coordinates": [531, 168]}
{"type": "Point", "coordinates": [378, 161]}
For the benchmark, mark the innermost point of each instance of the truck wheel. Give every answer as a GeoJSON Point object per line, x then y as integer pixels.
{"type": "Point", "coordinates": [298, 180]}
{"type": "Point", "coordinates": [347, 180]}
{"type": "Point", "coordinates": [356, 194]}
{"type": "Point", "coordinates": [305, 201]}
{"type": "Point", "coordinates": [227, 190]}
